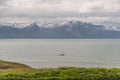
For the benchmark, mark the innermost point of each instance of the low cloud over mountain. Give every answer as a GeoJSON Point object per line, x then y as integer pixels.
{"type": "Point", "coordinates": [96, 11]}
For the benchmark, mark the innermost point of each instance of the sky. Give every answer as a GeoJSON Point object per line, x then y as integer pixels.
{"type": "Point", "coordinates": [96, 11]}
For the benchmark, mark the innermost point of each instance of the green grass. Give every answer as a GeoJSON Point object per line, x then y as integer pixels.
{"type": "Point", "coordinates": [17, 71]}
{"type": "Point", "coordinates": [63, 73]}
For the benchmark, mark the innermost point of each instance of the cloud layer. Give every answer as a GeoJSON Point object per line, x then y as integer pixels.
{"type": "Point", "coordinates": [89, 10]}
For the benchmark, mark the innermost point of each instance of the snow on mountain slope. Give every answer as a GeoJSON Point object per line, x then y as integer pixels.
{"type": "Point", "coordinates": [57, 24]}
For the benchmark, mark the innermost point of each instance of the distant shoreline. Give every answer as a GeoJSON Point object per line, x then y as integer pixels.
{"type": "Point", "coordinates": [59, 38]}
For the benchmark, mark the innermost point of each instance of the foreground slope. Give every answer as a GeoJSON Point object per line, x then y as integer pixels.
{"type": "Point", "coordinates": [17, 71]}
{"type": "Point", "coordinates": [65, 73]}
{"type": "Point", "coordinates": [5, 65]}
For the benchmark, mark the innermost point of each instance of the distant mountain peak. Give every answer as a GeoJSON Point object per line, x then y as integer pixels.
{"type": "Point", "coordinates": [35, 25]}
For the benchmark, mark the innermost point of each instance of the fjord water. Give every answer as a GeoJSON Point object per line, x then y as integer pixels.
{"type": "Point", "coordinates": [43, 53]}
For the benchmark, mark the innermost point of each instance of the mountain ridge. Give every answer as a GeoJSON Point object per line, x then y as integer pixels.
{"type": "Point", "coordinates": [71, 29]}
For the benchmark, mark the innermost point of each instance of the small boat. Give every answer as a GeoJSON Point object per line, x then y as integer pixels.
{"type": "Point", "coordinates": [62, 54]}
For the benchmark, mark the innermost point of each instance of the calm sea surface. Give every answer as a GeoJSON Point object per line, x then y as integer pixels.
{"type": "Point", "coordinates": [43, 53]}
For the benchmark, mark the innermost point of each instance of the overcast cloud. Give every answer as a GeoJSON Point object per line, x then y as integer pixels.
{"type": "Point", "coordinates": [98, 11]}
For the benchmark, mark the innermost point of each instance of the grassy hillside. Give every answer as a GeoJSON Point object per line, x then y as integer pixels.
{"type": "Point", "coordinates": [65, 73]}
{"type": "Point", "coordinates": [11, 65]}
{"type": "Point", "coordinates": [17, 71]}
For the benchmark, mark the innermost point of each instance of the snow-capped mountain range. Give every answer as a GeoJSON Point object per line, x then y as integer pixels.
{"type": "Point", "coordinates": [53, 24]}
{"type": "Point", "coordinates": [63, 29]}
